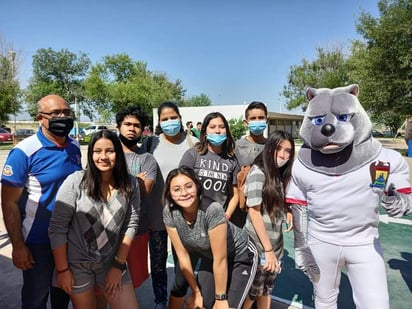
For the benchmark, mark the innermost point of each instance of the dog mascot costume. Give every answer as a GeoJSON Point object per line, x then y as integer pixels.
{"type": "Point", "coordinates": [341, 177]}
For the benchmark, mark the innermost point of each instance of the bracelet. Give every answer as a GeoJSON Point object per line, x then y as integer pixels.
{"type": "Point", "coordinates": [221, 296]}
{"type": "Point", "coordinates": [118, 265]}
{"type": "Point", "coordinates": [196, 291]}
{"type": "Point", "coordinates": [122, 261]}
{"type": "Point", "coordinates": [269, 250]}
{"type": "Point", "coordinates": [62, 271]}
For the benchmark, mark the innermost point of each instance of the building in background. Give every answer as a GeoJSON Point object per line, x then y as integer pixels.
{"type": "Point", "coordinates": [287, 122]}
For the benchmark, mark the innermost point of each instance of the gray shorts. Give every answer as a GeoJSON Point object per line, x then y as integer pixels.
{"type": "Point", "coordinates": [91, 276]}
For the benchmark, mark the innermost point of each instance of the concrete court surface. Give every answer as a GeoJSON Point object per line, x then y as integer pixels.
{"type": "Point", "coordinates": [292, 288]}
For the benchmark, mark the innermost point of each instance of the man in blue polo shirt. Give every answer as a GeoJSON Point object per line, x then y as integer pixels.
{"type": "Point", "coordinates": [34, 170]}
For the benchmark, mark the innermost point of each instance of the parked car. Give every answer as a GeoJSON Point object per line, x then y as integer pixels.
{"type": "Point", "coordinates": [5, 128]}
{"type": "Point", "coordinates": [5, 136]}
{"type": "Point", "coordinates": [23, 133]}
{"type": "Point", "coordinates": [376, 133]}
{"type": "Point", "coordinates": [388, 133]}
{"type": "Point", "coordinates": [94, 128]}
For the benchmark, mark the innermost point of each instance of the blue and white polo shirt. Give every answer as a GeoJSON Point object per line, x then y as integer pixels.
{"type": "Point", "coordinates": [39, 166]}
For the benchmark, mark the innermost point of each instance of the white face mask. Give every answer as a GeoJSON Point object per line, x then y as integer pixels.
{"type": "Point", "coordinates": [281, 162]}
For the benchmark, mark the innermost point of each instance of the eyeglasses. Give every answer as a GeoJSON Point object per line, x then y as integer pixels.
{"type": "Point", "coordinates": [58, 113]}
{"type": "Point", "coordinates": [178, 190]}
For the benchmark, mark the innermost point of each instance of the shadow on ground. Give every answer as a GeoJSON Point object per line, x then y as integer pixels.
{"type": "Point", "coordinates": [293, 285]}
{"type": "Point", "coordinates": [404, 266]}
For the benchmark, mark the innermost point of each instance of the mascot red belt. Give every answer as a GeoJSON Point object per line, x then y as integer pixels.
{"type": "Point", "coordinates": [341, 177]}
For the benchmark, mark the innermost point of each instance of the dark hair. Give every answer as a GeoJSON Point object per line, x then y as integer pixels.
{"type": "Point", "coordinates": [92, 180]}
{"type": "Point", "coordinates": [162, 106]}
{"type": "Point", "coordinates": [134, 111]}
{"type": "Point", "coordinates": [254, 105]}
{"type": "Point", "coordinates": [228, 147]}
{"type": "Point", "coordinates": [188, 122]}
{"type": "Point", "coordinates": [182, 170]}
{"type": "Point", "coordinates": [276, 179]}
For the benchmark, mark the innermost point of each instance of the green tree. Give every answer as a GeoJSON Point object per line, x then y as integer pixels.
{"type": "Point", "coordinates": [10, 92]}
{"type": "Point", "coordinates": [58, 72]}
{"type": "Point", "coordinates": [237, 127]}
{"type": "Point", "coordinates": [382, 62]}
{"type": "Point", "coordinates": [199, 100]}
{"type": "Point", "coordinates": [118, 82]}
{"type": "Point", "coordinates": [328, 70]}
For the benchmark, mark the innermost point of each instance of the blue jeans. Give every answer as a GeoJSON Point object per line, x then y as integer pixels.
{"type": "Point", "coordinates": [158, 258]}
{"type": "Point", "coordinates": [37, 281]}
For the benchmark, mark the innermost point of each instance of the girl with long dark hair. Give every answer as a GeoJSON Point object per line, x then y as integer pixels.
{"type": "Point", "coordinates": [93, 224]}
{"type": "Point", "coordinates": [265, 190]}
{"type": "Point", "coordinates": [214, 162]}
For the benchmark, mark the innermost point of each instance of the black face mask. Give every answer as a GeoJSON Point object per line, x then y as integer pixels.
{"type": "Point", "coordinates": [60, 126]}
{"type": "Point", "coordinates": [128, 142]}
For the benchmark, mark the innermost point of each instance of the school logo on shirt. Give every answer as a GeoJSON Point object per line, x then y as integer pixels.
{"type": "Point", "coordinates": [379, 174]}
{"type": "Point", "coordinates": [7, 170]}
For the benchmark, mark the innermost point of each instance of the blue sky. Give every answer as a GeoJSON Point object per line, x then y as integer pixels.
{"type": "Point", "coordinates": [234, 51]}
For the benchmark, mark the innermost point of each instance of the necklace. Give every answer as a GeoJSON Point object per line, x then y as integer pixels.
{"type": "Point", "coordinates": [190, 223]}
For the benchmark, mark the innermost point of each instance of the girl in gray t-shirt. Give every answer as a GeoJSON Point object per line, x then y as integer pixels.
{"type": "Point", "coordinates": [197, 227]}
{"type": "Point", "coordinates": [214, 162]}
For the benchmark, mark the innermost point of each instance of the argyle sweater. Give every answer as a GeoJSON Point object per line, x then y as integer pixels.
{"type": "Point", "coordinates": [91, 229]}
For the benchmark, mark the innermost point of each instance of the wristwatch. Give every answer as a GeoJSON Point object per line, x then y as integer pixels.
{"type": "Point", "coordinates": [221, 296]}
{"type": "Point", "coordinates": [122, 266]}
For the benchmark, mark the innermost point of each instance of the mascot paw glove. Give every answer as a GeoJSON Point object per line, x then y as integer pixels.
{"type": "Point", "coordinates": [304, 261]}
{"type": "Point", "coordinates": [396, 204]}
{"type": "Point", "coordinates": [392, 208]}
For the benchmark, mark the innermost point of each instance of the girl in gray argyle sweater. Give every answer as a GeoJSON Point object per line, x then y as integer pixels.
{"type": "Point", "coordinates": [94, 221]}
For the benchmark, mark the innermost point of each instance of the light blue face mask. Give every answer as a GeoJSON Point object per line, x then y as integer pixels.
{"type": "Point", "coordinates": [257, 127]}
{"type": "Point", "coordinates": [216, 139]}
{"type": "Point", "coordinates": [171, 127]}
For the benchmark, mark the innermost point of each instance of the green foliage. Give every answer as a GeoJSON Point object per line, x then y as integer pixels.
{"type": "Point", "coordinates": [199, 100]}
{"type": "Point", "coordinates": [118, 82]}
{"type": "Point", "coordinates": [58, 72]}
{"type": "Point", "coordinates": [237, 127]}
{"type": "Point", "coordinates": [328, 70]}
{"type": "Point", "coordinates": [10, 92]}
{"type": "Point", "coordinates": [382, 63]}
{"type": "Point", "coordinates": [109, 86]}
{"type": "Point", "coordinates": [390, 119]}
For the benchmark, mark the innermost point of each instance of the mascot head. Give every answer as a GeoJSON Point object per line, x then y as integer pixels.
{"type": "Point", "coordinates": [334, 119]}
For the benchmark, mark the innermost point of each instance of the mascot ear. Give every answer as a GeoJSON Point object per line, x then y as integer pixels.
{"type": "Point", "coordinates": [353, 89]}
{"type": "Point", "coordinates": [310, 93]}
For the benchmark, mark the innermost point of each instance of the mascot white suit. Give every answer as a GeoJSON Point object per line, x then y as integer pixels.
{"type": "Point", "coordinates": [341, 177]}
